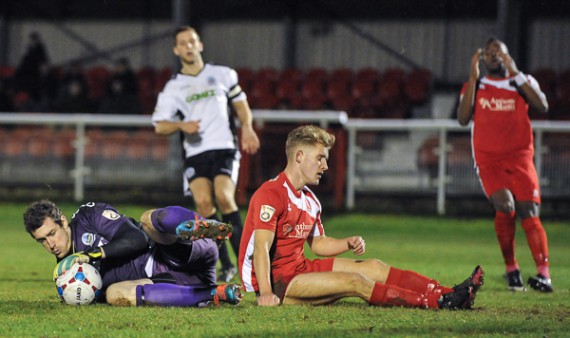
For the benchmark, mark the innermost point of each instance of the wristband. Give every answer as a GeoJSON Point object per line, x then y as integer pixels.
{"type": "Point", "coordinates": [94, 254]}
{"type": "Point", "coordinates": [520, 79]}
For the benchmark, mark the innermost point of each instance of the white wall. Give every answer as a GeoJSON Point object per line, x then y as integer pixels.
{"type": "Point", "coordinates": [445, 47]}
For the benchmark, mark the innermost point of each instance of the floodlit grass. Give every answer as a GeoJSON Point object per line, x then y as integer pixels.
{"type": "Point", "coordinates": [442, 248]}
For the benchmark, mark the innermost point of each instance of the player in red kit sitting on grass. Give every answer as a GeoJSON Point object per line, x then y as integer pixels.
{"type": "Point", "coordinates": [284, 214]}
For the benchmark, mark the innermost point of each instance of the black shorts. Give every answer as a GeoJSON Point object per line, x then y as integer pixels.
{"type": "Point", "coordinates": [212, 163]}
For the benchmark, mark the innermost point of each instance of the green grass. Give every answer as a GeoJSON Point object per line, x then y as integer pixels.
{"type": "Point", "coordinates": [442, 248]}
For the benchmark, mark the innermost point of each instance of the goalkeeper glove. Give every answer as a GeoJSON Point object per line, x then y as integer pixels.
{"type": "Point", "coordinates": [78, 257]}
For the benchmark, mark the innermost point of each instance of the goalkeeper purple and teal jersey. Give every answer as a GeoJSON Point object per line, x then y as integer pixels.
{"type": "Point", "coordinates": [94, 225]}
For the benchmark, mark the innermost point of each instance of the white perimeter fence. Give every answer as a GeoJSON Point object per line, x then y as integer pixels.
{"type": "Point", "coordinates": [406, 157]}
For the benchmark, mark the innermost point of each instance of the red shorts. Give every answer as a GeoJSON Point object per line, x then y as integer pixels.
{"type": "Point", "coordinates": [281, 282]}
{"type": "Point", "coordinates": [518, 176]}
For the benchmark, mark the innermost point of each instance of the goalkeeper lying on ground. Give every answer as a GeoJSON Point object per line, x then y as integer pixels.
{"type": "Point", "coordinates": [169, 259]}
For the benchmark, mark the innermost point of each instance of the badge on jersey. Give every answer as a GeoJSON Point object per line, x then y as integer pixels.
{"type": "Point", "coordinates": [266, 213]}
{"type": "Point", "coordinates": [87, 238]}
{"type": "Point", "coordinates": [110, 214]}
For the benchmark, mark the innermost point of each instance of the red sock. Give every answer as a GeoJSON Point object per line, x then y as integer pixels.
{"type": "Point", "coordinates": [538, 243]}
{"type": "Point", "coordinates": [505, 230]}
{"type": "Point", "coordinates": [390, 295]}
{"type": "Point", "coordinates": [414, 281]}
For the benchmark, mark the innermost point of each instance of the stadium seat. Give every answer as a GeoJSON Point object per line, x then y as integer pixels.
{"type": "Point", "coordinates": [268, 74]}
{"type": "Point", "coordinates": [160, 149]}
{"type": "Point", "coordinates": [6, 72]}
{"type": "Point", "coordinates": [343, 103]}
{"type": "Point", "coordinates": [287, 92]}
{"type": "Point", "coordinates": [367, 74]}
{"type": "Point", "coordinates": [162, 77]}
{"type": "Point", "coordinates": [138, 151]}
{"type": "Point", "coordinates": [337, 89]}
{"type": "Point", "coordinates": [394, 75]}
{"type": "Point", "coordinates": [341, 75]}
{"type": "Point", "coordinates": [245, 78]}
{"type": "Point", "coordinates": [316, 76]}
{"type": "Point", "coordinates": [97, 78]}
{"type": "Point", "coordinates": [293, 75]}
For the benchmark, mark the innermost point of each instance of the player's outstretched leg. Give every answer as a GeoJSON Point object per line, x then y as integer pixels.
{"type": "Point", "coordinates": [463, 294]}
{"type": "Point", "coordinates": [207, 228]}
{"type": "Point", "coordinates": [229, 293]}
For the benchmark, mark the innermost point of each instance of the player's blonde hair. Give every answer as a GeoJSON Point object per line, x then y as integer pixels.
{"type": "Point", "coordinates": [308, 135]}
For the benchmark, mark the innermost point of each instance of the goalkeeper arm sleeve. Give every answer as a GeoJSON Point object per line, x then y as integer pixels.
{"type": "Point", "coordinates": [129, 240]}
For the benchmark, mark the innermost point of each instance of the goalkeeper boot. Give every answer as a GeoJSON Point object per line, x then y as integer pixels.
{"type": "Point", "coordinates": [229, 293]}
{"type": "Point", "coordinates": [540, 283]}
{"type": "Point", "coordinates": [204, 228]}
{"type": "Point", "coordinates": [515, 281]}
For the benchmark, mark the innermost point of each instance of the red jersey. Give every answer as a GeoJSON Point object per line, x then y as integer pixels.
{"type": "Point", "coordinates": [501, 126]}
{"type": "Point", "coordinates": [293, 217]}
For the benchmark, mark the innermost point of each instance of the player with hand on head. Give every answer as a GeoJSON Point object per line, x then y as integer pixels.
{"type": "Point", "coordinates": [168, 259]}
{"type": "Point", "coordinates": [195, 102]}
{"type": "Point", "coordinates": [503, 151]}
{"type": "Point", "coordinates": [284, 214]}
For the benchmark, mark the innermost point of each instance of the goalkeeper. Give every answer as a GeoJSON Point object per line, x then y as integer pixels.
{"type": "Point", "coordinates": [168, 259]}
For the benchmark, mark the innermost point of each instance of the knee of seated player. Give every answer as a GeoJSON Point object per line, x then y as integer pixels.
{"type": "Point", "coordinates": [152, 232]}
{"type": "Point", "coordinates": [120, 295]}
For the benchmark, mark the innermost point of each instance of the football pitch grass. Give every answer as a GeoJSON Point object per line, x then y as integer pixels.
{"type": "Point", "coordinates": [443, 248]}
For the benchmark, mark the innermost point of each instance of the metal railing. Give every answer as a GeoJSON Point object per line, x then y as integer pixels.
{"type": "Point", "coordinates": [443, 128]}
{"type": "Point", "coordinates": [81, 121]}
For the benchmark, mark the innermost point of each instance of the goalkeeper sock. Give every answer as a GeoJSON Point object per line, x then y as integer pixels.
{"type": "Point", "coordinates": [167, 219]}
{"type": "Point", "coordinates": [390, 295]}
{"type": "Point", "coordinates": [412, 280]}
{"type": "Point", "coordinates": [538, 243]}
{"type": "Point", "coordinates": [234, 219]}
{"type": "Point", "coordinates": [163, 294]}
{"type": "Point", "coordinates": [505, 230]}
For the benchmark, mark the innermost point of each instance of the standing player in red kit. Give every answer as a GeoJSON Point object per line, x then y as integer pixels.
{"type": "Point", "coordinates": [284, 214]}
{"type": "Point", "coordinates": [503, 152]}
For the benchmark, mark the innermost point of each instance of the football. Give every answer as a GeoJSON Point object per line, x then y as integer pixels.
{"type": "Point", "coordinates": [80, 285]}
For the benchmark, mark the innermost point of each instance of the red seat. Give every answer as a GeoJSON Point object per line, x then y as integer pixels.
{"type": "Point", "coordinates": [267, 74]}
{"type": "Point", "coordinates": [245, 78]}
{"type": "Point", "coordinates": [343, 75]}
{"type": "Point", "coordinates": [160, 149]}
{"type": "Point", "coordinates": [161, 79]}
{"type": "Point", "coordinates": [97, 78]}
{"type": "Point", "coordinates": [394, 75]}
{"type": "Point", "coordinates": [338, 89]}
{"type": "Point", "coordinates": [343, 103]}
{"type": "Point", "coordinates": [367, 74]}
{"type": "Point", "coordinates": [287, 91]}
{"type": "Point", "coordinates": [317, 76]}
{"type": "Point", "coordinates": [293, 75]}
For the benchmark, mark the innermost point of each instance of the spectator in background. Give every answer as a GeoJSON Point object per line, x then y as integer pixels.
{"type": "Point", "coordinates": [503, 151]}
{"type": "Point", "coordinates": [119, 100]}
{"type": "Point", "coordinates": [123, 74]}
{"type": "Point", "coordinates": [32, 67]}
{"type": "Point", "coordinates": [6, 103]}
{"type": "Point", "coordinates": [195, 102]}
{"type": "Point", "coordinates": [74, 98]}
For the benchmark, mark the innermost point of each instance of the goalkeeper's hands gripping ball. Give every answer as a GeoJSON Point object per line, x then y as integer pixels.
{"type": "Point", "coordinates": [78, 257]}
